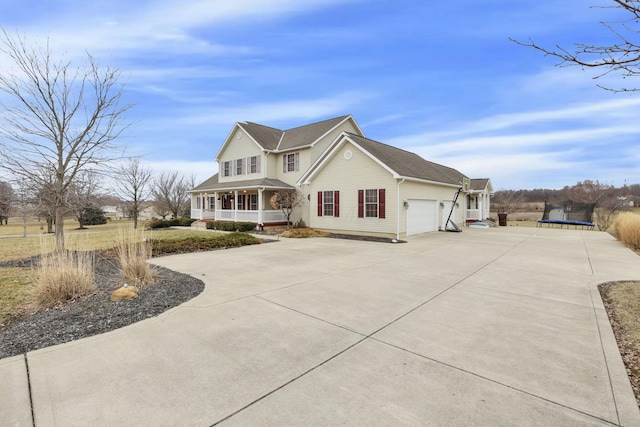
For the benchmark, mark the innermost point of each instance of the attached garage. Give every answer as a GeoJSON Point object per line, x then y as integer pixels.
{"type": "Point", "coordinates": [422, 216]}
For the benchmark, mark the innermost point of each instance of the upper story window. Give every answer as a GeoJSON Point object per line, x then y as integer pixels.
{"type": "Point", "coordinates": [254, 164]}
{"type": "Point", "coordinates": [226, 168]}
{"type": "Point", "coordinates": [240, 166]}
{"type": "Point", "coordinates": [291, 162]}
{"type": "Point", "coordinates": [243, 166]}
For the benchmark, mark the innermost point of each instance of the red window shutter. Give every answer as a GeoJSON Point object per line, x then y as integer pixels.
{"type": "Point", "coordinates": [336, 204]}
{"type": "Point", "coordinates": [360, 203]}
{"type": "Point", "coordinates": [319, 203]}
{"type": "Point", "coordinates": [381, 203]}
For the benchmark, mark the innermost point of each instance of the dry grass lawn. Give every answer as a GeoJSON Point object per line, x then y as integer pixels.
{"type": "Point", "coordinates": [17, 284]}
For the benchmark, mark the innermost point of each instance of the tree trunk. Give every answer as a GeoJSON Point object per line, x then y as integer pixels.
{"type": "Point", "coordinates": [59, 229]}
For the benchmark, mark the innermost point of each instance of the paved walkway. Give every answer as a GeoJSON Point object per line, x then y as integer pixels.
{"type": "Point", "coordinates": [486, 327]}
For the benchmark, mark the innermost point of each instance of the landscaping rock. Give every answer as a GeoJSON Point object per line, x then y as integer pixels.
{"type": "Point", "coordinates": [125, 293]}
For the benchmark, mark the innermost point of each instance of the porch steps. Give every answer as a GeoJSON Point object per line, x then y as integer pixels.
{"type": "Point", "coordinates": [199, 225]}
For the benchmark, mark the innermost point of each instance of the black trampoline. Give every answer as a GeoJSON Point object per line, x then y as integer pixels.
{"type": "Point", "coordinates": [569, 214]}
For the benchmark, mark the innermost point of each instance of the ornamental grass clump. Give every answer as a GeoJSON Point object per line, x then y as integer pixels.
{"type": "Point", "coordinates": [627, 229]}
{"type": "Point", "coordinates": [134, 250]}
{"type": "Point", "coordinates": [64, 276]}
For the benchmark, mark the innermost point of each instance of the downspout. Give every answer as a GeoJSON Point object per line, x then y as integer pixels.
{"type": "Point", "coordinates": [398, 210]}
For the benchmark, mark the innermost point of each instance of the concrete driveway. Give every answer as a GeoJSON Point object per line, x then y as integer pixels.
{"type": "Point", "coordinates": [494, 327]}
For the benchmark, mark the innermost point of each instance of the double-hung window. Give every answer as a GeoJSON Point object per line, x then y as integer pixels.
{"type": "Point", "coordinates": [371, 203]}
{"type": "Point", "coordinates": [254, 164]}
{"type": "Point", "coordinates": [329, 203]}
{"type": "Point", "coordinates": [291, 162]}
{"type": "Point", "coordinates": [226, 168]}
{"type": "Point", "coordinates": [240, 166]}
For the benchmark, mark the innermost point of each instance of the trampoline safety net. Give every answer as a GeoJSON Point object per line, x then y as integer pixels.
{"type": "Point", "coordinates": [568, 211]}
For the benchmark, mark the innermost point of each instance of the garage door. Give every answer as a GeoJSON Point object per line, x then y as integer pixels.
{"type": "Point", "coordinates": [422, 216]}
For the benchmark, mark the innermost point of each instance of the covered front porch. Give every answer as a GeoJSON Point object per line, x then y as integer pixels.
{"type": "Point", "coordinates": [478, 206]}
{"type": "Point", "coordinates": [247, 202]}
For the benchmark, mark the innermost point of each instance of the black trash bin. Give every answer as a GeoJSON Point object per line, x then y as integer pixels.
{"type": "Point", "coordinates": [502, 219]}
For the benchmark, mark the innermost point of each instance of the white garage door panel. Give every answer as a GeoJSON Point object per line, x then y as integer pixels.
{"type": "Point", "coordinates": [421, 216]}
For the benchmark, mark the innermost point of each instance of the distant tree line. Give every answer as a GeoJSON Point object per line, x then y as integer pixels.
{"type": "Point", "coordinates": [551, 195]}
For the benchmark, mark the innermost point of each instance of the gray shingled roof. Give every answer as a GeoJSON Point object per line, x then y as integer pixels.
{"type": "Point", "coordinates": [479, 184]}
{"type": "Point", "coordinates": [213, 184]}
{"type": "Point", "coordinates": [267, 137]}
{"type": "Point", "coordinates": [306, 135]}
{"type": "Point", "coordinates": [282, 140]}
{"type": "Point", "coordinates": [407, 164]}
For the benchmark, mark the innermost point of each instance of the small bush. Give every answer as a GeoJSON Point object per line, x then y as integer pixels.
{"type": "Point", "coordinates": [133, 251]}
{"type": "Point", "coordinates": [176, 222]}
{"type": "Point", "coordinates": [63, 277]}
{"type": "Point", "coordinates": [230, 226]}
{"type": "Point", "coordinates": [202, 243]}
{"type": "Point", "coordinates": [300, 224]}
{"type": "Point", "coordinates": [298, 233]}
{"type": "Point", "coordinates": [627, 229]}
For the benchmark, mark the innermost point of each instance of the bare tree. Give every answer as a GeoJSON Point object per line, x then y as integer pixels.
{"type": "Point", "coordinates": [56, 116]}
{"type": "Point", "coordinates": [169, 191]}
{"type": "Point", "coordinates": [622, 57]}
{"type": "Point", "coordinates": [132, 182]}
{"type": "Point", "coordinates": [606, 198]}
{"type": "Point", "coordinates": [286, 200]}
{"type": "Point", "coordinates": [6, 201]}
{"type": "Point", "coordinates": [506, 202]}
{"type": "Point", "coordinates": [83, 195]}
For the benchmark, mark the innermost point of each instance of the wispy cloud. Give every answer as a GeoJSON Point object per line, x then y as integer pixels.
{"type": "Point", "coordinates": [279, 111]}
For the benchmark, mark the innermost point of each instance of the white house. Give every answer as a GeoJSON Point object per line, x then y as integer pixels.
{"type": "Point", "coordinates": [350, 184]}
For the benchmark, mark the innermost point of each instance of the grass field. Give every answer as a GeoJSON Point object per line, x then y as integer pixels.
{"type": "Point", "coordinates": [16, 283]}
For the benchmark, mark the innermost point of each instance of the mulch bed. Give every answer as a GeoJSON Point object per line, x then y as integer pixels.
{"type": "Point", "coordinates": [95, 314]}
{"type": "Point", "coordinates": [629, 348]}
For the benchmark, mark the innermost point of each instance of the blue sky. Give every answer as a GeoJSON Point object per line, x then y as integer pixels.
{"type": "Point", "coordinates": [437, 78]}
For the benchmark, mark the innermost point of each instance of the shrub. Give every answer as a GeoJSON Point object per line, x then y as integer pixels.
{"type": "Point", "coordinates": [303, 233]}
{"type": "Point", "coordinates": [133, 251]}
{"type": "Point", "coordinates": [230, 226]}
{"type": "Point", "coordinates": [63, 277]}
{"type": "Point", "coordinates": [627, 229]}
{"type": "Point", "coordinates": [202, 243]}
{"type": "Point", "coordinates": [176, 222]}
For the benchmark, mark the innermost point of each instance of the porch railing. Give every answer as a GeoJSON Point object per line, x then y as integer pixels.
{"type": "Point", "coordinates": [250, 216]}
{"type": "Point", "coordinates": [474, 214]}
{"type": "Point", "coordinates": [202, 213]}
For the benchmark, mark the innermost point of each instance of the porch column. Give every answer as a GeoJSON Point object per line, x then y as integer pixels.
{"type": "Point", "coordinates": [215, 204]}
{"type": "Point", "coordinates": [201, 200]}
{"type": "Point", "coordinates": [235, 205]}
{"type": "Point", "coordinates": [260, 190]}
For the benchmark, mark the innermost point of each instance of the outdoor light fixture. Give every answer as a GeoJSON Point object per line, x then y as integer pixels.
{"type": "Point", "coordinates": [406, 204]}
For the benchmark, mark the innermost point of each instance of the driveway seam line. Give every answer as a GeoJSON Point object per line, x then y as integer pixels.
{"type": "Point", "coordinates": [366, 337]}
{"type": "Point", "coordinates": [493, 381]}
{"type": "Point", "coordinates": [604, 355]}
{"type": "Point", "coordinates": [280, 387]}
{"type": "Point", "coordinates": [595, 315]}
{"type": "Point", "coordinates": [33, 416]}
